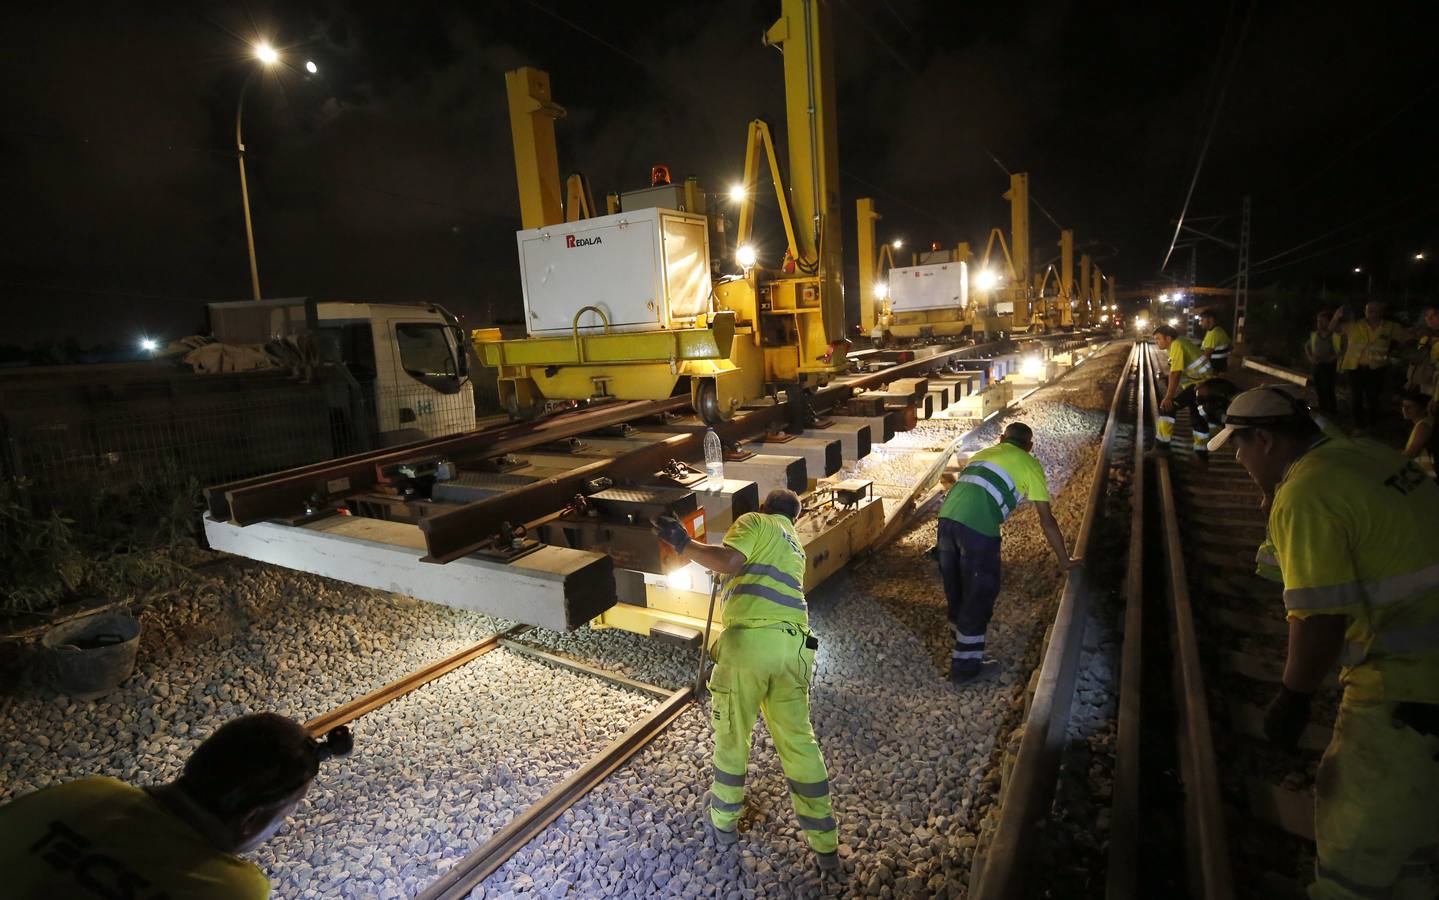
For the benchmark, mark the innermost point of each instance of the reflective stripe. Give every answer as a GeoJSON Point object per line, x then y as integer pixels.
{"type": "Point", "coordinates": [768, 593]}
{"type": "Point", "coordinates": [991, 467]}
{"type": "Point", "coordinates": [809, 789]}
{"type": "Point", "coordinates": [966, 654]}
{"type": "Point", "coordinates": [782, 577]}
{"type": "Point", "coordinates": [1351, 594]}
{"type": "Point", "coordinates": [1418, 639]}
{"type": "Point", "coordinates": [968, 638]}
{"type": "Point", "coordinates": [725, 778]}
{"type": "Point", "coordinates": [1353, 887]}
{"type": "Point", "coordinates": [722, 806]}
{"type": "Point", "coordinates": [1403, 587]}
{"type": "Point", "coordinates": [810, 823]}
{"type": "Point", "coordinates": [993, 491]}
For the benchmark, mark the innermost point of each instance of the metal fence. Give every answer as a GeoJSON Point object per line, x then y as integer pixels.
{"type": "Point", "coordinates": [71, 445]}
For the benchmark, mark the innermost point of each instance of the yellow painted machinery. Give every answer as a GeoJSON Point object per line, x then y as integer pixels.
{"type": "Point", "coordinates": [929, 299]}
{"type": "Point", "coordinates": [628, 305]}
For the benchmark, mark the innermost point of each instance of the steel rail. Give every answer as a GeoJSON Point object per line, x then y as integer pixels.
{"type": "Point", "coordinates": [575, 665]}
{"type": "Point", "coordinates": [349, 712]}
{"type": "Point", "coordinates": [254, 500]}
{"type": "Point", "coordinates": [479, 864]}
{"type": "Point", "coordinates": [1210, 875]}
{"type": "Point", "coordinates": [1123, 867]}
{"type": "Point", "coordinates": [1030, 787]}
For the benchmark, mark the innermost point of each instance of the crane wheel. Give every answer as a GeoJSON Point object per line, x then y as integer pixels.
{"type": "Point", "coordinates": [705, 401]}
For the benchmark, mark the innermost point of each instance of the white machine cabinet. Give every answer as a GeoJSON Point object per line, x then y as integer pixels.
{"type": "Point", "coordinates": [935, 286]}
{"type": "Point", "coordinates": [648, 269]}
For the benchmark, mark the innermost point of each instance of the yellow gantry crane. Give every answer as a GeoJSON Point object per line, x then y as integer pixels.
{"type": "Point", "coordinates": [625, 305]}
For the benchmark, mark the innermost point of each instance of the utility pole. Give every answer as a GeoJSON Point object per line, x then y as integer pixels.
{"type": "Point", "coordinates": [1241, 281]}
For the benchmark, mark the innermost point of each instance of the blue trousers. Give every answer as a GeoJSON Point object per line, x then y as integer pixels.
{"type": "Point", "coordinates": [969, 565]}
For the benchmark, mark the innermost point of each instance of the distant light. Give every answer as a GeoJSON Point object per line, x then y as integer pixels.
{"type": "Point", "coordinates": [1163, 298]}
{"type": "Point", "coordinates": [311, 67]}
{"type": "Point", "coordinates": [745, 256]}
{"type": "Point", "coordinates": [984, 279]}
{"type": "Point", "coordinates": [680, 579]}
{"type": "Point", "coordinates": [1419, 255]}
{"type": "Point", "coordinates": [1173, 321]}
{"type": "Point", "coordinates": [1141, 323]}
{"type": "Point", "coordinates": [881, 289]}
{"type": "Point", "coordinates": [149, 345]}
{"type": "Point", "coordinates": [266, 54]}
{"type": "Point", "coordinates": [1031, 367]}
{"type": "Point", "coordinates": [1357, 270]}
{"type": "Point", "coordinates": [897, 243]}
{"type": "Point", "coordinates": [737, 193]}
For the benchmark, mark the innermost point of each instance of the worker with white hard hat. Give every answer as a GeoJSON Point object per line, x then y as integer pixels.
{"type": "Point", "coordinates": [1354, 528]}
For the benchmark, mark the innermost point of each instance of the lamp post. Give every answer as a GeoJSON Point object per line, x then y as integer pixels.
{"type": "Point", "coordinates": [267, 56]}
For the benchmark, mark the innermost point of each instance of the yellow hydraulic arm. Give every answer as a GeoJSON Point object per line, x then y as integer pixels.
{"type": "Point", "coordinates": [532, 126]}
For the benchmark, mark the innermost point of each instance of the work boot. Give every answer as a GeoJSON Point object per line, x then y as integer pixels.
{"type": "Point", "coordinates": [960, 677]}
{"type": "Point", "coordinates": [723, 837]}
{"type": "Point", "coordinates": [828, 862]}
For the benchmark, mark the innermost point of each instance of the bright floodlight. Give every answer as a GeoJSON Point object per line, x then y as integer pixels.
{"type": "Point", "coordinates": [1173, 321]}
{"type": "Point", "coordinates": [149, 344]}
{"type": "Point", "coordinates": [1141, 323]}
{"type": "Point", "coordinates": [1031, 367]}
{"type": "Point", "coordinates": [897, 243]}
{"type": "Point", "coordinates": [680, 579]}
{"type": "Point", "coordinates": [311, 67]}
{"type": "Point", "coordinates": [1357, 270]}
{"type": "Point", "coordinates": [1163, 298]}
{"type": "Point", "coordinates": [1419, 255]}
{"type": "Point", "coordinates": [266, 54]}
{"type": "Point", "coordinates": [984, 279]}
{"type": "Point", "coordinates": [737, 193]}
{"type": "Point", "coordinates": [745, 256]}
{"type": "Point", "coordinates": [881, 289]}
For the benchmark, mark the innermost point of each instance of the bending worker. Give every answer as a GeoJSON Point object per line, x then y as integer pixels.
{"type": "Point", "coordinates": [98, 837]}
{"type": "Point", "coordinates": [992, 485]}
{"type": "Point", "coordinates": [1353, 525]}
{"type": "Point", "coordinates": [1216, 343]}
{"type": "Point", "coordinates": [764, 660]}
{"type": "Point", "coordinates": [1188, 367]}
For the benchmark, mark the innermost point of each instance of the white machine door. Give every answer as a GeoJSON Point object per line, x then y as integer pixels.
{"type": "Point", "coordinates": [428, 389]}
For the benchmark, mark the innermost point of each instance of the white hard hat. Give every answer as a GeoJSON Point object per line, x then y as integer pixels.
{"type": "Point", "coordinates": [1269, 405]}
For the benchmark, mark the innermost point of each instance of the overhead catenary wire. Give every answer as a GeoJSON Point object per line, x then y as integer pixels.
{"type": "Point", "coordinates": [1209, 132]}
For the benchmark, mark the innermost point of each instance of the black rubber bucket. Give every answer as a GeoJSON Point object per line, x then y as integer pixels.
{"type": "Point", "coordinates": [92, 655]}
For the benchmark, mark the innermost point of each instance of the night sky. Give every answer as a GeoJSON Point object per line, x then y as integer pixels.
{"type": "Point", "coordinates": [389, 176]}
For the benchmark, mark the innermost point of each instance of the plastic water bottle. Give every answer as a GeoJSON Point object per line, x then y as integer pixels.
{"type": "Point", "coordinates": [714, 461]}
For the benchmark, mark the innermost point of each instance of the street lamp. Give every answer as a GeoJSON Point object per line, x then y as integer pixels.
{"type": "Point", "coordinates": [267, 56]}
{"type": "Point", "coordinates": [1419, 256]}
{"type": "Point", "coordinates": [897, 243]}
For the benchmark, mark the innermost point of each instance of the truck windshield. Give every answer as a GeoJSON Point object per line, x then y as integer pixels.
{"type": "Point", "coordinates": [425, 352]}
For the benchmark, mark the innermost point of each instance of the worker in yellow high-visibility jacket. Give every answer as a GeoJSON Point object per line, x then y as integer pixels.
{"type": "Point", "coordinates": [1370, 346]}
{"type": "Point", "coordinates": [1188, 367]}
{"type": "Point", "coordinates": [763, 664]}
{"type": "Point", "coordinates": [1354, 528]}
{"type": "Point", "coordinates": [1216, 344]}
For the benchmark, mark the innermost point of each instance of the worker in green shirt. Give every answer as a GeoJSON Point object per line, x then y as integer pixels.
{"type": "Point", "coordinates": [992, 485]}
{"type": "Point", "coordinates": [100, 838]}
{"type": "Point", "coordinates": [1216, 343]}
{"type": "Point", "coordinates": [764, 661]}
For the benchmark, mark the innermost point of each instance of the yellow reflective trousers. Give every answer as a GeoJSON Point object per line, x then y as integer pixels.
{"type": "Point", "coordinates": [1376, 808]}
{"type": "Point", "coordinates": [767, 670]}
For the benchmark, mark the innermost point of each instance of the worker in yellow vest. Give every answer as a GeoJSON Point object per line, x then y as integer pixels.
{"type": "Point", "coordinates": [1188, 367]}
{"type": "Point", "coordinates": [1324, 349]}
{"type": "Point", "coordinates": [1369, 355]}
{"type": "Point", "coordinates": [99, 837]}
{"type": "Point", "coordinates": [1423, 373]}
{"type": "Point", "coordinates": [1354, 525]}
{"type": "Point", "coordinates": [1216, 343]}
{"type": "Point", "coordinates": [764, 661]}
{"type": "Point", "coordinates": [992, 485]}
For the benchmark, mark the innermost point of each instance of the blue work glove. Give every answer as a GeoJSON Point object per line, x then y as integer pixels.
{"type": "Point", "coordinates": [1285, 718]}
{"type": "Point", "coordinates": [672, 532]}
